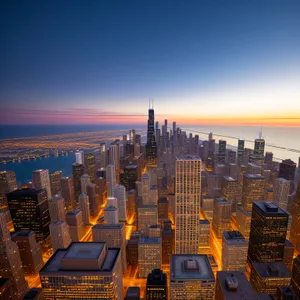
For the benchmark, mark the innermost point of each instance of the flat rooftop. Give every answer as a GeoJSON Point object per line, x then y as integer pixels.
{"type": "Point", "coordinates": [254, 176]}
{"type": "Point", "coordinates": [147, 240]}
{"type": "Point", "coordinates": [188, 157]}
{"type": "Point", "coordinates": [82, 257]}
{"type": "Point", "coordinates": [25, 192]}
{"type": "Point", "coordinates": [73, 212]}
{"type": "Point", "coordinates": [272, 270]}
{"type": "Point", "coordinates": [133, 291]}
{"type": "Point", "coordinates": [234, 238]}
{"type": "Point", "coordinates": [222, 201]}
{"type": "Point", "coordinates": [190, 267]}
{"type": "Point", "coordinates": [204, 222]}
{"type": "Point", "coordinates": [108, 226]}
{"type": "Point", "coordinates": [229, 178]}
{"type": "Point", "coordinates": [270, 208]}
{"type": "Point", "coordinates": [22, 233]}
{"type": "Point", "coordinates": [235, 286]}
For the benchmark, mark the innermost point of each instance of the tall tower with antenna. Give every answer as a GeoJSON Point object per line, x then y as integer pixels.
{"type": "Point", "coordinates": [259, 150]}
{"type": "Point", "coordinates": [151, 146]}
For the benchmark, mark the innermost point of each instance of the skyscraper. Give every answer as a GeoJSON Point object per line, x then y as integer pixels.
{"type": "Point", "coordinates": [10, 262]}
{"type": "Point", "coordinates": [8, 183]}
{"type": "Point", "coordinates": [222, 152]}
{"type": "Point", "coordinates": [68, 192]}
{"type": "Point", "coordinates": [41, 180]}
{"type": "Point", "coordinates": [79, 157]}
{"type": "Point", "coordinates": [93, 199]}
{"type": "Point", "coordinates": [84, 181]}
{"type": "Point", "coordinates": [130, 177]}
{"type": "Point", "coordinates": [84, 206]}
{"type": "Point", "coordinates": [90, 166]}
{"type": "Point", "coordinates": [55, 178]}
{"type": "Point", "coordinates": [151, 146]}
{"type": "Point", "coordinates": [191, 277]}
{"type": "Point", "coordinates": [149, 255]}
{"type": "Point", "coordinates": [156, 287]}
{"type": "Point", "coordinates": [187, 204]}
{"type": "Point", "coordinates": [83, 271]}
{"type": "Point", "coordinates": [114, 158]}
{"type": "Point", "coordinates": [60, 235]}
{"type": "Point", "coordinates": [287, 169]}
{"type": "Point", "coordinates": [241, 148]}
{"type": "Point", "coordinates": [57, 208]}
{"type": "Point", "coordinates": [76, 226]}
{"type": "Point", "coordinates": [30, 251]}
{"type": "Point", "coordinates": [111, 215]}
{"type": "Point", "coordinates": [110, 179]}
{"type": "Point", "coordinates": [268, 232]}
{"type": "Point", "coordinates": [281, 192]}
{"type": "Point", "coordinates": [221, 216]}
{"type": "Point", "coordinates": [234, 251]}
{"type": "Point", "coordinates": [259, 149]}
{"type": "Point", "coordinates": [119, 192]}
{"type": "Point", "coordinates": [146, 216]}
{"type": "Point", "coordinates": [29, 211]}
{"type": "Point", "coordinates": [78, 171]}
{"type": "Point", "coordinates": [295, 228]}
{"type": "Point", "coordinates": [296, 275]}
{"type": "Point", "coordinates": [114, 236]}
{"type": "Point", "coordinates": [230, 191]}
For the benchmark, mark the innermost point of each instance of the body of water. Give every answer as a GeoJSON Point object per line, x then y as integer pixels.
{"type": "Point", "coordinates": [287, 137]}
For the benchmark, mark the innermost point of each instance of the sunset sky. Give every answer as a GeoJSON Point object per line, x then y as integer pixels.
{"type": "Point", "coordinates": [203, 62]}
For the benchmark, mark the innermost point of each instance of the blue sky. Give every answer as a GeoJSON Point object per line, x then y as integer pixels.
{"type": "Point", "coordinates": [94, 61]}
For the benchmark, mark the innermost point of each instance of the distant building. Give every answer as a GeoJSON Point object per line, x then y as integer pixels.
{"type": "Point", "coordinates": [41, 180]}
{"type": "Point", "coordinates": [119, 193]}
{"type": "Point", "coordinates": [287, 169]}
{"type": "Point", "coordinates": [78, 171]}
{"type": "Point", "coordinates": [157, 285]}
{"type": "Point", "coordinates": [57, 208]}
{"type": "Point", "coordinates": [30, 251]}
{"type": "Point", "coordinates": [93, 199]}
{"type": "Point", "coordinates": [267, 277]}
{"type": "Point", "coordinates": [267, 238]}
{"type": "Point", "coordinates": [149, 255]}
{"type": "Point", "coordinates": [241, 148]}
{"type": "Point", "coordinates": [190, 277]}
{"type": "Point", "coordinates": [130, 177]}
{"type": "Point", "coordinates": [146, 216]}
{"type": "Point", "coordinates": [281, 192]}
{"type": "Point", "coordinates": [90, 166]}
{"type": "Point", "coordinates": [110, 179]}
{"type": "Point", "coordinates": [230, 191]}
{"type": "Point", "coordinates": [151, 146]}
{"type": "Point", "coordinates": [84, 182]}
{"type": "Point", "coordinates": [84, 206]}
{"type": "Point", "coordinates": [85, 271]}
{"type": "Point", "coordinates": [55, 178]}
{"type": "Point", "coordinates": [234, 251]}
{"type": "Point", "coordinates": [222, 152]}
{"type": "Point", "coordinates": [68, 193]}
{"type": "Point", "coordinates": [8, 183]}
{"type": "Point", "coordinates": [295, 227]}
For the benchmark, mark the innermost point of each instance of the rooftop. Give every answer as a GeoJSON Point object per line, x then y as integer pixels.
{"type": "Point", "coordinates": [228, 178]}
{"type": "Point", "coordinates": [234, 238]}
{"type": "Point", "coordinates": [222, 201]}
{"type": "Point", "coordinates": [58, 222]}
{"type": "Point", "coordinates": [110, 208]}
{"type": "Point", "coordinates": [190, 267]}
{"type": "Point", "coordinates": [108, 226]}
{"type": "Point", "coordinates": [254, 176]}
{"type": "Point", "coordinates": [73, 212]}
{"type": "Point", "coordinates": [22, 233]}
{"type": "Point", "coordinates": [133, 291]}
{"type": "Point", "coordinates": [84, 250]}
{"type": "Point", "coordinates": [272, 270]}
{"type": "Point", "coordinates": [130, 167]}
{"type": "Point", "coordinates": [235, 286]}
{"type": "Point", "coordinates": [188, 157]}
{"type": "Point", "coordinates": [25, 192]}
{"type": "Point", "coordinates": [147, 240]}
{"type": "Point", "coordinates": [204, 222]}
{"type": "Point", "coordinates": [270, 208]}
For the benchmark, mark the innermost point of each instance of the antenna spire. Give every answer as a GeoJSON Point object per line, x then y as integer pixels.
{"type": "Point", "coordinates": [261, 131]}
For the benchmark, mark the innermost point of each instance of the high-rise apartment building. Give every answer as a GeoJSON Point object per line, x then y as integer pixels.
{"type": "Point", "coordinates": [10, 262]}
{"type": "Point", "coordinates": [84, 206]}
{"type": "Point", "coordinates": [253, 190]}
{"type": "Point", "coordinates": [84, 182]}
{"type": "Point", "coordinates": [57, 208]}
{"type": "Point", "coordinates": [93, 199]}
{"type": "Point", "coordinates": [230, 191]}
{"type": "Point", "coordinates": [287, 169]}
{"type": "Point", "coordinates": [156, 287]}
{"type": "Point", "coordinates": [76, 226]}
{"type": "Point", "coordinates": [119, 192]}
{"type": "Point", "coordinates": [204, 236]}
{"type": "Point", "coordinates": [30, 251]}
{"type": "Point", "coordinates": [79, 157]}
{"type": "Point", "coordinates": [78, 171]}
{"type": "Point", "coordinates": [110, 179]}
{"type": "Point", "coordinates": [114, 236]}
{"type": "Point", "coordinates": [114, 158]}
{"type": "Point", "coordinates": [8, 183]}
{"type": "Point", "coordinates": [221, 216]}
{"type": "Point", "coordinates": [149, 255]}
{"type": "Point", "coordinates": [41, 180]}
{"type": "Point", "coordinates": [29, 211]}
{"type": "Point", "coordinates": [268, 232]}
{"type": "Point", "coordinates": [68, 192]}
{"type": "Point", "coordinates": [151, 146]}
{"type": "Point", "coordinates": [163, 208]}
{"type": "Point", "coordinates": [83, 271]}
{"type": "Point", "coordinates": [267, 277]}
{"type": "Point", "coordinates": [281, 192]}
{"type": "Point", "coordinates": [191, 277]}
{"type": "Point", "coordinates": [187, 203]}
{"type": "Point", "coordinates": [146, 216]}
{"type": "Point", "coordinates": [295, 227]}
{"type": "Point", "coordinates": [90, 166]}
{"type": "Point", "coordinates": [234, 251]}
{"type": "Point", "coordinates": [222, 152]}
{"type": "Point", "coordinates": [111, 215]}
{"type": "Point", "coordinates": [60, 235]}
{"type": "Point", "coordinates": [55, 178]}
{"type": "Point", "coordinates": [130, 177]}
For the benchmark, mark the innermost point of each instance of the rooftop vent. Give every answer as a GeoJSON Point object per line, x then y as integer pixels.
{"type": "Point", "coordinates": [232, 283]}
